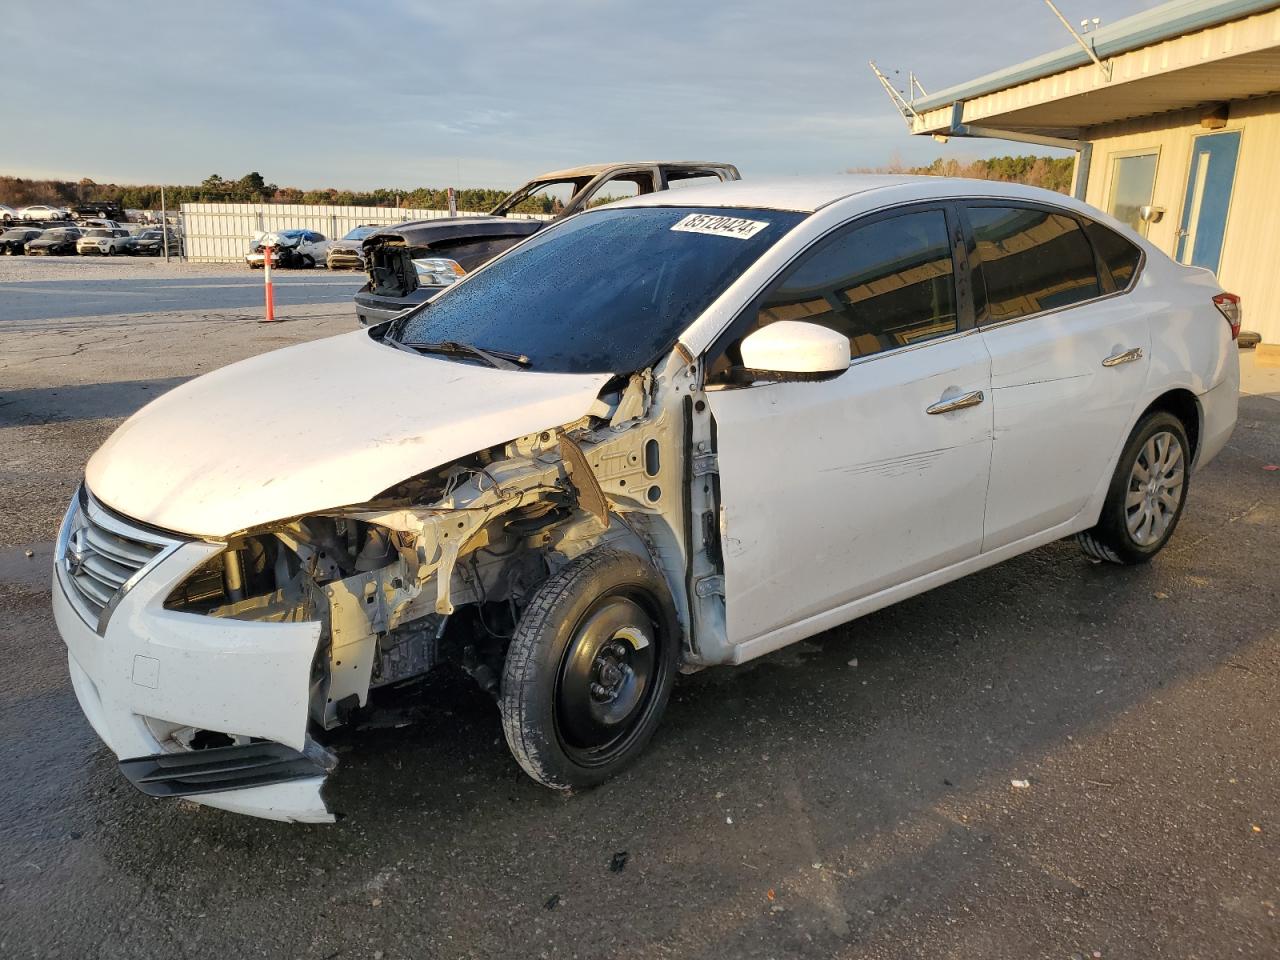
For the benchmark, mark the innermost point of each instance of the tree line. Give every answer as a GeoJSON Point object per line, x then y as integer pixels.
{"type": "Point", "coordinates": [1049, 172]}
{"type": "Point", "coordinates": [251, 188]}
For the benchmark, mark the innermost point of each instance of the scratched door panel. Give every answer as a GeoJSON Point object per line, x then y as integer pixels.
{"type": "Point", "coordinates": [833, 491]}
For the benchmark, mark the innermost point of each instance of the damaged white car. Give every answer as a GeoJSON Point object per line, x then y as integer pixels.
{"type": "Point", "coordinates": [683, 430]}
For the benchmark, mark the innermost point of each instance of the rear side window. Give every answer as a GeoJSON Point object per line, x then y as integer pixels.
{"type": "Point", "coordinates": [1120, 256]}
{"type": "Point", "coordinates": [1031, 260]}
{"type": "Point", "coordinates": [883, 285]}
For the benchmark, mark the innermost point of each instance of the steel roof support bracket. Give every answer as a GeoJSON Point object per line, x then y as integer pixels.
{"type": "Point", "coordinates": [1083, 148]}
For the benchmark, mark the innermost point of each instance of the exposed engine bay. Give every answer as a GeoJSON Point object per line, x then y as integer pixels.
{"type": "Point", "coordinates": [438, 568]}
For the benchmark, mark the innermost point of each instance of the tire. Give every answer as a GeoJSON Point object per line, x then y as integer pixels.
{"type": "Point", "coordinates": [111, 251]}
{"type": "Point", "coordinates": [1146, 496]}
{"type": "Point", "coordinates": [589, 670]}
{"type": "Point", "coordinates": [308, 261]}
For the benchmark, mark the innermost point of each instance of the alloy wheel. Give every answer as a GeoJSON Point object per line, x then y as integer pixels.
{"type": "Point", "coordinates": [1155, 488]}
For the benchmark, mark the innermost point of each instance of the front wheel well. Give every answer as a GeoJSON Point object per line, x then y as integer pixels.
{"type": "Point", "coordinates": [1183, 405]}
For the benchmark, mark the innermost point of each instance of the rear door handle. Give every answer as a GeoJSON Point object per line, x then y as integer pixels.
{"type": "Point", "coordinates": [1127, 356]}
{"type": "Point", "coordinates": [970, 399]}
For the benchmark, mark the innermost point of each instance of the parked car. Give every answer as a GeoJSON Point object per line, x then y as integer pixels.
{"type": "Point", "coordinates": [347, 253]}
{"type": "Point", "coordinates": [13, 241]}
{"type": "Point", "coordinates": [151, 243]}
{"type": "Point", "coordinates": [41, 211]}
{"type": "Point", "coordinates": [54, 242]}
{"type": "Point", "coordinates": [289, 248]}
{"type": "Point", "coordinates": [661, 435]}
{"type": "Point", "coordinates": [99, 210]}
{"type": "Point", "coordinates": [103, 241]}
{"type": "Point", "coordinates": [461, 244]}
{"type": "Point", "coordinates": [8, 214]}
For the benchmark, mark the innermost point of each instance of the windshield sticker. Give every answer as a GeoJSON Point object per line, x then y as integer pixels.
{"type": "Point", "coordinates": [718, 226]}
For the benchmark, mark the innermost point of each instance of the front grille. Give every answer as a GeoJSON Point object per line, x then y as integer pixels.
{"type": "Point", "coordinates": [101, 554]}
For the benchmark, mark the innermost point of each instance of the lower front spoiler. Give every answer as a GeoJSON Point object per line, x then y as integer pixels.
{"type": "Point", "coordinates": [219, 769]}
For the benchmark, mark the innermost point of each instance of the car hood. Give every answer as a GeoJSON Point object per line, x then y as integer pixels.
{"type": "Point", "coordinates": [424, 233]}
{"type": "Point", "coordinates": [320, 425]}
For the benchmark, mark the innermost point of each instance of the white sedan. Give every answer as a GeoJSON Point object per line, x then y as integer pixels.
{"type": "Point", "coordinates": [685, 429]}
{"type": "Point", "coordinates": [41, 211]}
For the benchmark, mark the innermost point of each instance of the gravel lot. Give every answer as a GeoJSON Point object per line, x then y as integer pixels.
{"type": "Point", "coordinates": [851, 796]}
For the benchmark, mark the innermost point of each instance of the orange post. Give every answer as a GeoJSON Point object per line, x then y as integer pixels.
{"type": "Point", "coordinates": [266, 275]}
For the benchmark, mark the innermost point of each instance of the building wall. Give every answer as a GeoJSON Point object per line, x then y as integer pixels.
{"type": "Point", "coordinates": [1250, 264]}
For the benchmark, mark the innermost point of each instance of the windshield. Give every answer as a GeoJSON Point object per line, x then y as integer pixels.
{"type": "Point", "coordinates": [359, 233]}
{"type": "Point", "coordinates": [15, 234]}
{"type": "Point", "coordinates": [98, 233]}
{"type": "Point", "coordinates": [55, 234]}
{"type": "Point", "coordinates": [604, 292]}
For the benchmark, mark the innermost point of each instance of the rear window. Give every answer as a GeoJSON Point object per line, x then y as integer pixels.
{"type": "Point", "coordinates": [1120, 256]}
{"type": "Point", "coordinates": [604, 292]}
{"type": "Point", "coordinates": [1031, 260]}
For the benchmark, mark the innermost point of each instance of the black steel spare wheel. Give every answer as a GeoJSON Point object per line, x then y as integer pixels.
{"type": "Point", "coordinates": [589, 669]}
{"type": "Point", "coordinates": [604, 678]}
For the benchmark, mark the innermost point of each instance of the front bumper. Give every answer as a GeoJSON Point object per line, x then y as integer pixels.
{"type": "Point", "coordinates": [344, 260]}
{"type": "Point", "coordinates": [372, 309]}
{"type": "Point", "coordinates": [178, 669]}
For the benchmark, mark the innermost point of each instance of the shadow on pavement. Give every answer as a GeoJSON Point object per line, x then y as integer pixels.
{"type": "Point", "coordinates": [89, 401]}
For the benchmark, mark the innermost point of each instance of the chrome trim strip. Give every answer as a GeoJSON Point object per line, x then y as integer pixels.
{"type": "Point", "coordinates": [129, 584]}
{"type": "Point", "coordinates": [996, 325]}
{"type": "Point", "coordinates": [101, 516]}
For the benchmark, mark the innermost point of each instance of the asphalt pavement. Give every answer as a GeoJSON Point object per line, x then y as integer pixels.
{"type": "Point", "coordinates": [94, 297]}
{"type": "Point", "coordinates": [1048, 759]}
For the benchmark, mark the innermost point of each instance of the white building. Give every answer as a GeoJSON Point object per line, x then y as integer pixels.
{"type": "Point", "coordinates": [1176, 108]}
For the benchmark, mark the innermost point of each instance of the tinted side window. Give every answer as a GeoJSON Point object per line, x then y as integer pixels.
{"type": "Point", "coordinates": [883, 285]}
{"type": "Point", "coordinates": [1031, 260]}
{"type": "Point", "coordinates": [1120, 256]}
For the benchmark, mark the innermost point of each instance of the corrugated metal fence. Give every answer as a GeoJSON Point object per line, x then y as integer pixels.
{"type": "Point", "coordinates": [221, 232]}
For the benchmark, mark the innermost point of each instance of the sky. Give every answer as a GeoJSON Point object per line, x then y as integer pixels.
{"type": "Point", "coordinates": [405, 93]}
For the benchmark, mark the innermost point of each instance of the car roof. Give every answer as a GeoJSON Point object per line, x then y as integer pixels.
{"type": "Point", "coordinates": [807, 194]}
{"type": "Point", "coordinates": [595, 169]}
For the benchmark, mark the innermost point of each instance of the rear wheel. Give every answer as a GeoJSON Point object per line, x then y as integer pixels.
{"type": "Point", "coordinates": [1147, 493]}
{"type": "Point", "coordinates": [589, 670]}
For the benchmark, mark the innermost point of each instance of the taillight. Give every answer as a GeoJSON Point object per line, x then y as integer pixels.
{"type": "Point", "coordinates": [1228, 305]}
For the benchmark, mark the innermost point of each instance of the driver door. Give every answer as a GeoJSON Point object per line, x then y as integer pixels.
{"type": "Point", "coordinates": [834, 490]}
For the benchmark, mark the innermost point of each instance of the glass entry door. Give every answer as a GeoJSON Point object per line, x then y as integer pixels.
{"type": "Point", "coordinates": [1208, 199]}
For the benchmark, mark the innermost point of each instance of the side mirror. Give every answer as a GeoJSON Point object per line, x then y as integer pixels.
{"type": "Point", "coordinates": [795, 350]}
{"type": "Point", "coordinates": [1150, 214]}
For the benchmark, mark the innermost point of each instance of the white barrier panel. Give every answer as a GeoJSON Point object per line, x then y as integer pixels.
{"type": "Point", "coordinates": [222, 232]}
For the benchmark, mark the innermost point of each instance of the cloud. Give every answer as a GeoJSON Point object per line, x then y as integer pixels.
{"type": "Point", "coordinates": [406, 93]}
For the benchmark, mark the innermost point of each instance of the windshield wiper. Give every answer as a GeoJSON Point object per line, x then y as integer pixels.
{"type": "Point", "coordinates": [500, 359]}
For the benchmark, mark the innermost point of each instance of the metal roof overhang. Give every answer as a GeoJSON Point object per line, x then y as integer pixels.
{"type": "Point", "coordinates": [1230, 60]}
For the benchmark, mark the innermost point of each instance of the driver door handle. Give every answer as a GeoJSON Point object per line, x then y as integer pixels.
{"type": "Point", "coordinates": [1126, 356]}
{"type": "Point", "coordinates": [970, 399]}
